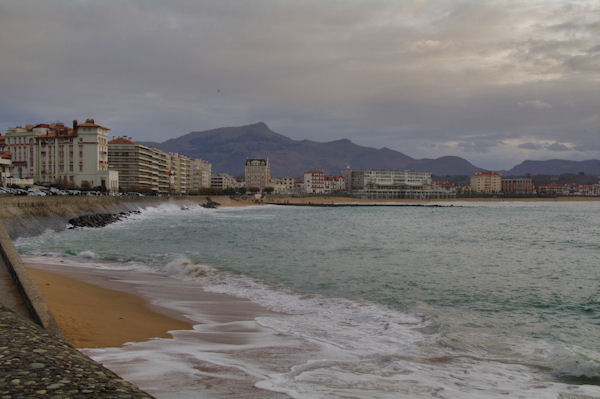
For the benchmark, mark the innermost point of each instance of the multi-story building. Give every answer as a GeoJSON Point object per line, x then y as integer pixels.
{"type": "Point", "coordinates": [258, 174]}
{"type": "Point", "coordinates": [5, 164]}
{"type": "Point", "coordinates": [314, 182]}
{"type": "Point", "coordinates": [149, 169]}
{"type": "Point", "coordinates": [486, 182]}
{"type": "Point", "coordinates": [180, 172]}
{"type": "Point", "coordinates": [223, 181]}
{"type": "Point", "coordinates": [201, 175]}
{"type": "Point", "coordinates": [283, 185]}
{"type": "Point", "coordinates": [517, 185]}
{"type": "Point", "coordinates": [55, 153]}
{"type": "Point", "coordinates": [141, 168]}
{"type": "Point", "coordinates": [552, 189]}
{"type": "Point", "coordinates": [383, 184]}
{"type": "Point", "coordinates": [334, 184]}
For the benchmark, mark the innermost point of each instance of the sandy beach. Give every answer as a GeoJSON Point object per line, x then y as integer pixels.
{"type": "Point", "coordinates": [149, 318]}
{"type": "Point", "coordinates": [91, 316]}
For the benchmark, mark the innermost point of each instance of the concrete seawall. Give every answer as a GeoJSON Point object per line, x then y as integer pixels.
{"type": "Point", "coordinates": [19, 294]}
{"type": "Point", "coordinates": [29, 216]}
{"type": "Point", "coordinates": [17, 289]}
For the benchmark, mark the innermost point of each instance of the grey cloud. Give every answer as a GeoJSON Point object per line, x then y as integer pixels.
{"type": "Point", "coordinates": [410, 75]}
{"type": "Point", "coordinates": [558, 147]}
{"type": "Point", "coordinates": [537, 104]}
{"type": "Point", "coordinates": [530, 146]}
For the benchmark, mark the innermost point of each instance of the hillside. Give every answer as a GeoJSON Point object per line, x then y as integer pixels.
{"type": "Point", "coordinates": [228, 148]}
{"type": "Point", "coordinates": [555, 167]}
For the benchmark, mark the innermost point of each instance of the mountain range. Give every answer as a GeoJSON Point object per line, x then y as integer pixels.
{"type": "Point", "coordinates": [228, 148]}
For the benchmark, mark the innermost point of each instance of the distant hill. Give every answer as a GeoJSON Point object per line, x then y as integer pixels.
{"type": "Point", "coordinates": [555, 167]}
{"type": "Point", "coordinates": [227, 149]}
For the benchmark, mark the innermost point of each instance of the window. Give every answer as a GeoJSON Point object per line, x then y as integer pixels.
{"type": "Point", "coordinates": [81, 168]}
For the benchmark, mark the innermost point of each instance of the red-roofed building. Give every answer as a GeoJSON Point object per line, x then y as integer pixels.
{"type": "Point", "coordinates": [314, 182]}
{"type": "Point", "coordinates": [55, 153]}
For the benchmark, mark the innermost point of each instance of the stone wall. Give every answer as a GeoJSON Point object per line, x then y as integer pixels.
{"type": "Point", "coordinates": [28, 216]}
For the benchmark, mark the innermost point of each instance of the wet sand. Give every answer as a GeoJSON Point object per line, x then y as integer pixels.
{"type": "Point", "coordinates": [98, 308]}
{"type": "Point", "coordinates": [91, 316]}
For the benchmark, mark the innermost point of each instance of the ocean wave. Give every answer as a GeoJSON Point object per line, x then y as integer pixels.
{"type": "Point", "coordinates": [578, 365]}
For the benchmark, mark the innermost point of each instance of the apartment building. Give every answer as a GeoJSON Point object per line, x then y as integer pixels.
{"type": "Point", "coordinates": [55, 153]}
{"type": "Point", "coordinates": [517, 185]}
{"type": "Point", "coordinates": [486, 182]}
{"type": "Point", "coordinates": [141, 168]}
{"type": "Point", "coordinates": [148, 169]}
{"type": "Point", "coordinates": [334, 184]}
{"type": "Point", "coordinates": [257, 174]}
{"type": "Point", "coordinates": [180, 173]}
{"type": "Point", "coordinates": [314, 182]}
{"type": "Point", "coordinates": [283, 185]}
{"type": "Point", "coordinates": [223, 181]}
{"type": "Point", "coordinates": [201, 175]}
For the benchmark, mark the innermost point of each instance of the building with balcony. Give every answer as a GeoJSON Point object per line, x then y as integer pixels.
{"type": "Point", "coordinates": [201, 175]}
{"type": "Point", "coordinates": [314, 182]}
{"type": "Point", "coordinates": [486, 182]}
{"type": "Point", "coordinates": [257, 174]}
{"type": "Point", "coordinates": [389, 184]}
{"type": "Point", "coordinates": [517, 185]}
{"type": "Point", "coordinates": [141, 168]}
{"type": "Point", "coordinates": [223, 181]}
{"type": "Point", "coordinates": [334, 184]}
{"type": "Point", "coordinates": [180, 173]}
{"type": "Point", "coordinates": [58, 154]}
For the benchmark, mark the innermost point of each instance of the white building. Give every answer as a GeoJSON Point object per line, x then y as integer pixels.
{"type": "Point", "coordinates": [384, 184]}
{"type": "Point", "coordinates": [55, 153]}
{"type": "Point", "coordinates": [334, 184]}
{"type": "Point", "coordinates": [314, 182]}
{"type": "Point", "coordinates": [223, 181]}
{"type": "Point", "coordinates": [283, 185]}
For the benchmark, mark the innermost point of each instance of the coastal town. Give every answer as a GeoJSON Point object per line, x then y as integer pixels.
{"type": "Point", "coordinates": [57, 159]}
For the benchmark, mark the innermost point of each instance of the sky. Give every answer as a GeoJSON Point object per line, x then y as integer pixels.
{"type": "Point", "coordinates": [494, 82]}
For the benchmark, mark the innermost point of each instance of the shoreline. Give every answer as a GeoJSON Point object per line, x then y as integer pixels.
{"type": "Point", "coordinates": [322, 200]}
{"type": "Point", "coordinates": [180, 313]}
{"type": "Point", "coordinates": [101, 317]}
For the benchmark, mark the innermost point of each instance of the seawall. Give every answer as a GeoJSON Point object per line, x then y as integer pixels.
{"type": "Point", "coordinates": [29, 216]}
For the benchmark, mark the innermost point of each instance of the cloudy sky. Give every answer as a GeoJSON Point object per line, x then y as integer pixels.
{"type": "Point", "coordinates": [495, 82]}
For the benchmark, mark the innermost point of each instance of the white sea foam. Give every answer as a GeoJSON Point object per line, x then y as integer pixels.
{"type": "Point", "coordinates": [369, 350]}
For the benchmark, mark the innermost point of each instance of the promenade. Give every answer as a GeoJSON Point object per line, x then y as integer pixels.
{"type": "Point", "coordinates": [36, 364]}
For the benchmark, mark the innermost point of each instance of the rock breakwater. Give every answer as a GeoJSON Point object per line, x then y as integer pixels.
{"type": "Point", "coordinates": [99, 219]}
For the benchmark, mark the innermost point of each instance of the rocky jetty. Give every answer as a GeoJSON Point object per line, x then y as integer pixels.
{"type": "Point", "coordinates": [210, 203]}
{"type": "Point", "coordinates": [36, 364]}
{"type": "Point", "coordinates": [98, 219]}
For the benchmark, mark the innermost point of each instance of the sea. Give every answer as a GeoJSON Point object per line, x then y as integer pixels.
{"type": "Point", "coordinates": [460, 300]}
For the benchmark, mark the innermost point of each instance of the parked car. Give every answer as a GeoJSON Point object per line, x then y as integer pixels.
{"type": "Point", "coordinates": [36, 192]}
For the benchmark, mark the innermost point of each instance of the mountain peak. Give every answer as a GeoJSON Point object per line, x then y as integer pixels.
{"type": "Point", "coordinates": [258, 125]}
